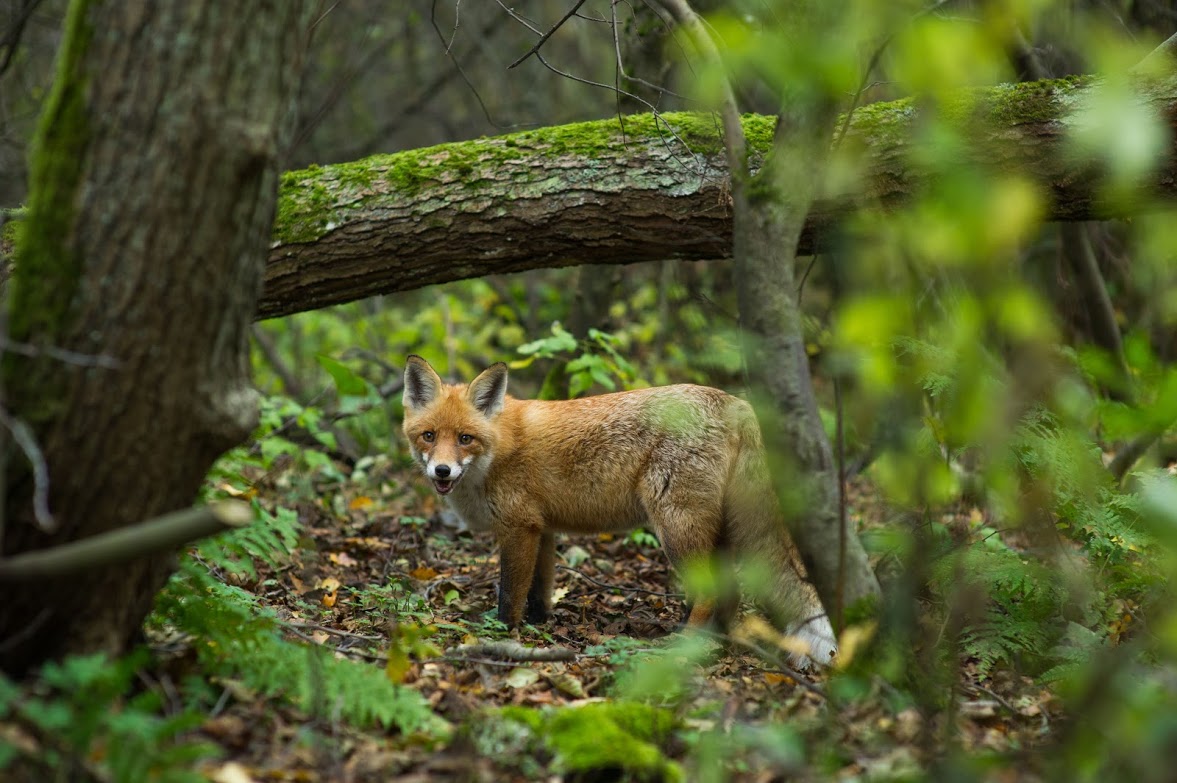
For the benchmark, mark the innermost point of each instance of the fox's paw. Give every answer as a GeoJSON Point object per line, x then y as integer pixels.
{"type": "Point", "coordinates": [536, 613]}
{"type": "Point", "coordinates": [817, 635]}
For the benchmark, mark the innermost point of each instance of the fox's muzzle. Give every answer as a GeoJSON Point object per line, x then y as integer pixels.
{"type": "Point", "coordinates": [444, 478]}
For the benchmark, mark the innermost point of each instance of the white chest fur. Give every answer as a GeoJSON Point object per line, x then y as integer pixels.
{"type": "Point", "coordinates": [468, 500]}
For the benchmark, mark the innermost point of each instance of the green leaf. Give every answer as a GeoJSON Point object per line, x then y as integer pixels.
{"type": "Point", "coordinates": [347, 383]}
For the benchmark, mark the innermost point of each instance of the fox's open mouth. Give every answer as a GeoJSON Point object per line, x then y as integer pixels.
{"type": "Point", "coordinates": [443, 486]}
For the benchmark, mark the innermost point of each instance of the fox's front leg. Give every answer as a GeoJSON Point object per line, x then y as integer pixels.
{"type": "Point", "coordinates": [539, 596]}
{"type": "Point", "coordinates": [519, 556]}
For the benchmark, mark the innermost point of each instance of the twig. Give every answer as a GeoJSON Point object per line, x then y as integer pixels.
{"type": "Point", "coordinates": [126, 543]}
{"type": "Point", "coordinates": [27, 632]}
{"type": "Point", "coordinates": [23, 435]}
{"type": "Point", "coordinates": [619, 587]}
{"type": "Point", "coordinates": [543, 38]}
{"type": "Point", "coordinates": [482, 661]}
{"type": "Point", "coordinates": [281, 369]}
{"type": "Point", "coordinates": [457, 24]}
{"type": "Point", "coordinates": [840, 438]}
{"type": "Point", "coordinates": [781, 667]}
{"type": "Point", "coordinates": [512, 650]}
{"type": "Point", "coordinates": [310, 640]}
{"type": "Point", "coordinates": [735, 142]}
{"type": "Point", "coordinates": [870, 67]}
{"type": "Point", "coordinates": [68, 357]}
{"type": "Point", "coordinates": [616, 25]}
{"type": "Point", "coordinates": [12, 38]}
{"type": "Point", "coordinates": [335, 631]}
{"type": "Point", "coordinates": [461, 71]}
{"type": "Point", "coordinates": [1167, 51]}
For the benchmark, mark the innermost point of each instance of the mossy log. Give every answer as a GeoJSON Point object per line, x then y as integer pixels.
{"type": "Point", "coordinates": [636, 189]}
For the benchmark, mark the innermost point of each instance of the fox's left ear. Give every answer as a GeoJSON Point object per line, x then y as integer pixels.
{"type": "Point", "coordinates": [488, 390]}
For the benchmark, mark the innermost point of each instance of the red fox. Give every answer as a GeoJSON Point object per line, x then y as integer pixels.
{"type": "Point", "coordinates": [688, 460]}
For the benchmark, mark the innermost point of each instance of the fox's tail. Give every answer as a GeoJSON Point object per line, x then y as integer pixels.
{"type": "Point", "coordinates": [774, 575]}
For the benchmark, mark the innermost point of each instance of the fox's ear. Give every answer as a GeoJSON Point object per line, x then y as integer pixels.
{"type": "Point", "coordinates": [422, 383]}
{"type": "Point", "coordinates": [488, 390]}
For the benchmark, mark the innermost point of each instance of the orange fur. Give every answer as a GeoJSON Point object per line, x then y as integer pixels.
{"type": "Point", "coordinates": [687, 460]}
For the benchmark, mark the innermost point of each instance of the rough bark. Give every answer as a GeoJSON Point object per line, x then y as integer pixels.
{"type": "Point", "coordinates": [154, 180]}
{"type": "Point", "coordinates": [617, 192]}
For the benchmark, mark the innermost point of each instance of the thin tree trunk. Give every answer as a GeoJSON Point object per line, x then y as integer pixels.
{"type": "Point", "coordinates": [767, 230]}
{"type": "Point", "coordinates": [154, 179]}
{"type": "Point", "coordinates": [769, 210]}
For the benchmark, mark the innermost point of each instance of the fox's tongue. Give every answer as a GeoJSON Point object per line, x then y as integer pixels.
{"type": "Point", "coordinates": [443, 486]}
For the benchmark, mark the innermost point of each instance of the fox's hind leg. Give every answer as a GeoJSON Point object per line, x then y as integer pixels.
{"type": "Point", "coordinates": [691, 535]}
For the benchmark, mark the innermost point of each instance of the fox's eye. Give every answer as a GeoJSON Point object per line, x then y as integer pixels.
{"type": "Point", "coordinates": [465, 440]}
{"type": "Point", "coordinates": [427, 436]}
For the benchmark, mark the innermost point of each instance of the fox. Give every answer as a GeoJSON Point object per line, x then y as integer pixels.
{"type": "Point", "coordinates": [688, 461]}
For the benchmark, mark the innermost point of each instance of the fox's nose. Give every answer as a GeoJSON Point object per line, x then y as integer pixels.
{"type": "Point", "coordinates": [441, 471]}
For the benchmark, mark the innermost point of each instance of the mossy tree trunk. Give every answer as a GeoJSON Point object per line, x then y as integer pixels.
{"type": "Point", "coordinates": [153, 185]}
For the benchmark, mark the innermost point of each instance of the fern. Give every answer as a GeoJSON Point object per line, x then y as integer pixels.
{"type": "Point", "coordinates": [241, 639]}
{"type": "Point", "coordinates": [1074, 651]}
{"type": "Point", "coordinates": [1023, 619]}
{"type": "Point", "coordinates": [1003, 638]}
{"type": "Point", "coordinates": [270, 538]}
{"type": "Point", "coordinates": [1090, 508]}
{"type": "Point", "coordinates": [78, 706]}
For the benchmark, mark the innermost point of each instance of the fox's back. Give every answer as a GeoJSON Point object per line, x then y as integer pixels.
{"type": "Point", "coordinates": [589, 462]}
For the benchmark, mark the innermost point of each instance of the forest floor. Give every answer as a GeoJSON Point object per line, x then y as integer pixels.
{"type": "Point", "coordinates": [378, 563]}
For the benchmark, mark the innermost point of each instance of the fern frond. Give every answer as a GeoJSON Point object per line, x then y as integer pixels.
{"type": "Point", "coordinates": [241, 639]}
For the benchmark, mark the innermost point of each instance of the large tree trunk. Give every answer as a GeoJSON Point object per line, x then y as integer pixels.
{"type": "Point", "coordinates": [154, 179]}
{"type": "Point", "coordinates": [642, 190]}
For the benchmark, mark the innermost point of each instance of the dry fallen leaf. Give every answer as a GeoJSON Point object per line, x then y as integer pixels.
{"type": "Point", "coordinates": [567, 684]}
{"type": "Point", "coordinates": [330, 587]}
{"type": "Point", "coordinates": [342, 558]}
{"type": "Point", "coordinates": [232, 773]}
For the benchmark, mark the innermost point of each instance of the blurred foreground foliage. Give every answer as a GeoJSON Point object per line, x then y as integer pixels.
{"type": "Point", "coordinates": [1022, 451]}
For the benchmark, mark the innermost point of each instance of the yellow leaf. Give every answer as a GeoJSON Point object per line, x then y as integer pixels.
{"type": "Point", "coordinates": [360, 503]}
{"type": "Point", "coordinates": [775, 678]}
{"type": "Point", "coordinates": [398, 664]}
{"type": "Point", "coordinates": [854, 638]}
{"type": "Point", "coordinates": [330, 587]}
{"type": "Point", "coordinates": [423, 573]}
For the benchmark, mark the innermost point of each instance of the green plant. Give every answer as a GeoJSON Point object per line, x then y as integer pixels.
{"type": "Point", "coordinates": [599, 362]}
{"type": "Point", "coordinates": [237, 637]}
{"type": "Point", "coordinates": [85, 725]}
{"type": "Point", "coordinates": [621, 739]}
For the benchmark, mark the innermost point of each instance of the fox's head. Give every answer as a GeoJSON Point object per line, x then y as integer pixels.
{"type": "Point", "coordinates": [451, 428]}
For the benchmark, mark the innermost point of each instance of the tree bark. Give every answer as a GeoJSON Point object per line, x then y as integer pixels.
{"type": "Point", "coordinates": [767, 228]}
{"type": "Point", "coordinates": [614, 192]}
{"type": "Point", "coordinates": [154, 180]}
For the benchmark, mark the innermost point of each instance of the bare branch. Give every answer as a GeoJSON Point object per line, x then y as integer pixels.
{"type": "Point", "coordinates": [23, 435]}
{"type": "Point", "coordinates": [735, 142]}
{"type": "Point", "coordinates": [1166, 53]}
{"type": "Point", "coordinates": [543, 38]}
{"type": "Point", "coordinates": [127, 543]}
{"type": "Point", "coordinates": [459, 68]}
{"type": "Point", "coordinates": [616, 25]}
{"type": "Point", "coordinates": [62, 355]}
